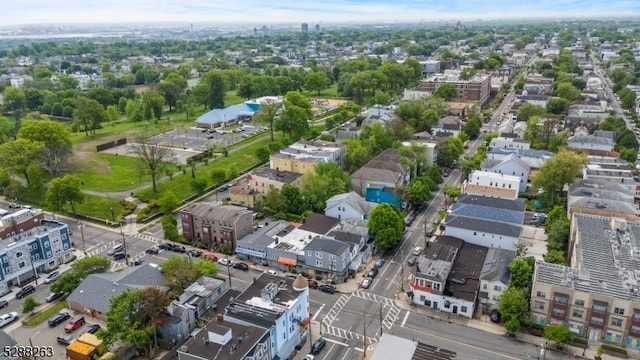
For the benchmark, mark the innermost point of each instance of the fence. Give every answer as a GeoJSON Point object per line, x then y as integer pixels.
{"type": "Point", "coordinates": [111, 144]}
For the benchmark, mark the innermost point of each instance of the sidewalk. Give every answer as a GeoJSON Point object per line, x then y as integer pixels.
{"type": "Point", "coordinates": [484, 324]}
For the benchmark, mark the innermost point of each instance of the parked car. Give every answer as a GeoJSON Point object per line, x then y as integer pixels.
{"type": "Point", "coordinates": [92, 329]}
{"type": "Point", "coordinates": [209, 256]}
{"type": "Point", "coordinates": [58, 319]}
{"type": "Point", "coordinates": [318, 345]}
{"type": "Point", "coordinates": [308, 357]}
{"type": "Point", "coordinates": [241, 266]}
{"type": "Point", "coordinates": [165, 246]}
{"type": "Point", "coordinates": [151, 251]}
{"type": "Point", "coordinates": [412, 260]}
{"type": "Point", "coordinates": [195, 253]}
{"type": "Point", "coordinates": [379, 263]}
{"type": "Point", "coordinates": [223, 188]}
{"type": "Point", "coordinates": [7, 319]}
{"type": "Point", "coordinates": [417, 250]}
{"type": "Point", "coordinates": [366, 282]}
{"type": "Point", "coordinates": [53, 276]}
{"type": "Point", "coordinates": [178, 249]}
{"type": "Point", "coordinates": [54, 296]}
{"type": "Point", "coordinates": [327, 288]}
{"type": "Point", "coordinates": [225, 262]}
{"type": "Point", "coordinates": [373, 273]}
{"type": "Point", "coordinates": [120, 255]}
{"type": "Point", "coordinates": [26, 290]}
{"type": "Point", "coordinates": [495, 316]}
{"type": "Point", "coordinates": [3, 304]}
{"type": "Point", "coordinates": [271, 272]}
{"type": "Point", "coordinates": [65, 339]}
{"type": "Point", "coordinates": [312, 284]}
{"type": "Point", "coordinates": [74, 324]}
{"type": "Point", "coordinates": [430, 232]}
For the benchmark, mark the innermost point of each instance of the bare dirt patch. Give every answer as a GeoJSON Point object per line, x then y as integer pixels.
{"type": "Point", "coordinates": [90, 161]}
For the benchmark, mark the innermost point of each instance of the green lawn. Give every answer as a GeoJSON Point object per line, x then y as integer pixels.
{"type": "Point", "coordinates": [121, 171]}
{"type": "Point", "coordinates": [231, 98]}
{"type": "Point", "coordinates": [330, 92]}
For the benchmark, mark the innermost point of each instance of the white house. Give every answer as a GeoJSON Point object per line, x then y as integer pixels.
{"type": "Point", "coordinates": [510, 143]}
{"type": "Point", "coordinates": [348, 206]}
{"type": "Point", "coordinates": [492, 184]}
{"type": "Point", "coordinates": [495, 276]}
{"type": "Point", "coordinates": [483, 232]}
{"type": "Point", "coordinates": [590, 142]}
{"type": "Point", "coordinates": [510, 165]}
{"type": "Point", "coordinates": [533, 158]}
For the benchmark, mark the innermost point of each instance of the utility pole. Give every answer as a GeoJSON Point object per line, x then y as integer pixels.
{"type": "Point", "coordinates": [229, 271]}
{"type": "Point", "coordinates": [364, 332]}
{"type": "Point", "coordinates": [401, 270]}
{"type": "Point", "coordinates": [124, 245]}
{"type": "Point", "coordinates": [380, 315]}
{"type": "Point", "coordinates": [81, 226]}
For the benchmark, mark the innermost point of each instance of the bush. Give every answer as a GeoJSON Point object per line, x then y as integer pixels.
{"type": "Point", "coordinates": [318, 277]}
{"type": "Point", "coordinates": [579, 340]}
{"type": "Point", "coordinates": [225, 250]}
{"type": "Point", "coordinates": [613, 349]}
{"type": "Point", "coordinates": [127, 207]}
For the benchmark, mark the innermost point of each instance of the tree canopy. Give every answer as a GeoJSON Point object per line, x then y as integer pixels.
{"type": "Point", "coordinates": [386, 225]}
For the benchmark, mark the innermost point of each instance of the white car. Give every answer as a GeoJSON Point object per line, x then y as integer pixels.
{"type": "Point", "coordinates": [272, 272]}
{"type": "Point", "coordinates": [308, 357]}
{"type": "Point", "coordinates": [417, 251]}
{"type": "Point", "coordinates": [52, 277]}
{"type": "Point", "coordinates": [7, 319]}
{"type": "Point", "coordinates": [225, 262]}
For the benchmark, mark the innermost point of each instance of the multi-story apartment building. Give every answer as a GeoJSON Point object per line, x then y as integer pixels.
{"type": "Point", "coordinates": [303, 156]}
{"type": "Point", "coordinates": [263, 179]}
{"type": "Point", "coordinates": [214, 224]}
{"type": "Point", "coordinates": [598, 296]}
{"type": "Point", "coordinates": [33, 249]}
{"type": "Point", "coordinates": [476, 89]}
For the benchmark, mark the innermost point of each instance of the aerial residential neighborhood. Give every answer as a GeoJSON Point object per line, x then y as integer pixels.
{"type": "Point", "coordinates": [441, 189]}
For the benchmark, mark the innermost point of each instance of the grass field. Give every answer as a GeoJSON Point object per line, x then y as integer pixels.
{"type": "Point", "coordinates": [123, 173]}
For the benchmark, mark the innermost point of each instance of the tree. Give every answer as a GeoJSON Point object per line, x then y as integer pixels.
{"type": "Point", "coordinates": [91, 265]}
{"type": "Point", "coordinates": [170, 227]}
{"type": "Point", "coordinates": [126, 320]}
{"type": "Point", "coordinates": [67, 282]}
{"type": "Point", "coordinates": [295, 115]}
{"type": "Point", "coordinates": [7, 129]}
{"type": "Point", "coordinates": [514, 308]}
{"type": "Point", "coordinates": [446, 92]}
{"type": "Point", "coordinates": [267, 114]}
{"type": "Point", "coordinates": [154, 303]}
{"type": "Point", "coordinates": [16, 157]}
{"type": "Point", "coordinates": [154, 158]}
{"type": "Point", "coordinates": [14, 99]}
{"type": "Point", "coordinates": [555, 257]}
{"type": "Point", "coordinates": [557, 105]}
{"type": "Point", "coordinates": [65, 190]}
{"type": "Point", "coordinates": [292, 201]}
{"type": "Point", "coordinates": [527, 111]}
{"type": "Point", "coordinates": [451, 192]}
{"type": "Point", "coordinates": [171, 87]}
{"type": "Point", "coordinates": [218, 175]}
{"type": "Point", "coordinates": [327, 180]}
{"type": "Point", "coordinates": [181, 272]}
{"type": "Point", "coordinates": [29, 304]}
{"type": "Point", "coordinates": [567, 91]}
{"type": "Point", "coordinates": [263, 154]}
{"type": "Point", "coordinates": [168, 201]}
{"type": "Point", "coordinates": [417, 192]}
{"type": "Point", "coordinates": [557, 172]}
{"type": "Point", "coordinates": [211, 89]}
{"type": "Point", "coordinates": [56, 139]}
{"type": "Point", "coordinates": [386, 225]}
{"type": "Point", "coordinates": [558, 333]}
{"type": "Point", "coordinates": [316, 80]}
{"type": "Point", "coordinates": [521, 273]}
{"type": "Point", "coordinates": [90, 113]}
{"type": "Point", "coordinates": [199, 185]}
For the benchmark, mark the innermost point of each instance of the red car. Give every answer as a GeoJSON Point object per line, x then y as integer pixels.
{"type": "Point", "coordinates": [209, 256]}
{"type": "Point", "coordinates": [74, 324]}
{"type": "Point", "coordinates": [312, 284]}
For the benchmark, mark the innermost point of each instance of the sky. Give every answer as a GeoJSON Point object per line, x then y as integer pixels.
{"type": "Point", "coordinates": [261, 12]}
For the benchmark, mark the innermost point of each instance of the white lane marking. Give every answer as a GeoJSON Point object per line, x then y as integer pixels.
{"type": "Point", "coordinates": [318, 312]}
{"type": "Point", "coordinates": [404, 321]}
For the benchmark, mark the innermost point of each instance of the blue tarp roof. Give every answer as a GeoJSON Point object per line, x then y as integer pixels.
{"type": "Point", "coordinates": [230, 113]}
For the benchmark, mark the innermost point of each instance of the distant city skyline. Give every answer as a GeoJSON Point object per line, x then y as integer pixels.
{"type": "Point", "coordinates": [258, 12]}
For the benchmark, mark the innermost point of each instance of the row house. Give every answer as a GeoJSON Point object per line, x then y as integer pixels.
{"type": "Point", "coordinates": [39, 249]}
{"type": "Point", "coordinates": [533, 158]}
{"type": "Point", "coordinates": [215, 225]}
{"type": "Point", "coordinates": [377, 179]}
{"type": "Point", "coordinates": [492, 184]}
{"type": "Point", "coordinates": [477, 89]}
{"type": "Point", "coordinates": [495, 277]}
{"type": "Point", "coordinates": [597, 296]}
{"type": "Point", "coordinates": [511, 165]}
{"type": "Point", "coordinates": [446, 276]}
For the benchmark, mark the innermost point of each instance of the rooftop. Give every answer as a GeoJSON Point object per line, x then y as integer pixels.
{"type": "Point", "coordinates": [291, 239]}
{"type": "Point", "coordinates": [264, 301]}
{"type": "Point", "coordinates": [481, 225]}
{"type": "Point", "coordinates": [488, 213]}
{"type": "Point", "coordinates": [397, 348]}
{"type": "Point", "coordinates": [492, 202]}
{"type": "Point", "coordinates": [213, 210]}
{"type": "Point", "coordinates": [318, 224]}
{"type": "Point", "coordinates": [437, 260]}
{"type": "Point", "coordinates": [463, 281]}
{"type": "Point", "coordinates": [332, 246]}
{"type": "Point", "coordinates": [283, 176]}
{"type": "Point", "coordinates": [496, 265]}
{"type": "Point", "coordinates": [607, 257]}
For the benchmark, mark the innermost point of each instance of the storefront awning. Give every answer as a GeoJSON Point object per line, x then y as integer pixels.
{"type": "Point", "coordinates": [286, 261]}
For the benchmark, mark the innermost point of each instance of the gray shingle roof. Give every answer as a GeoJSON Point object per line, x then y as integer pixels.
{"type": "Point", "coordinates": [493, 202]}
{"type": "Point", "coordinates": [488, 213]}
{"type": "Point", "coordinates": [487, 226]}
{"type": "Point", "coordinates": [354, 200]}
{"type": "Point", "coordinates": [496, 265]}
{"type": "Point", "coordinates": [331, 246]}
{"type": "Point", "coordinates": [96, 290]}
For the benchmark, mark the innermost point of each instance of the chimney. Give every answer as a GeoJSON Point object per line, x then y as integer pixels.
{"type": "Point", "coordinates": [220, 317]}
